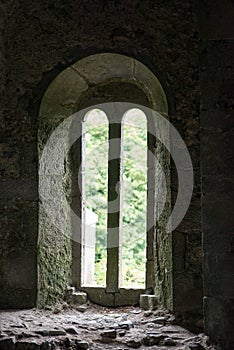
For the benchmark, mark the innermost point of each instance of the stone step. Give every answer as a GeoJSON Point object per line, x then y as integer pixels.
{"type": "Point", "coordinates": [76, 297]}
{"type": "Point", "coordinates": [148, 302]}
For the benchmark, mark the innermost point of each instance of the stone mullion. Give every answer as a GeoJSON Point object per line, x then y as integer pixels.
{"type": "Point", "coordinates": [151, 219]}
{"type": "Point", "coordinates": [77, 199]}
{"type": "Point", "coordinates": [114, 208]}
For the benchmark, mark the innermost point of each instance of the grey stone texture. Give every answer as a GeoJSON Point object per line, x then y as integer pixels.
{"type": "Point", "coordinates": [148, 302]}
{"type": "Point", "coordinates": [38, 40]}
{"type": "Point", "coordinates": [42, 39]}
{"type": "Point", "coordinates": [95, 329]}
{"type": "Point", "coordinates": [217, 141]}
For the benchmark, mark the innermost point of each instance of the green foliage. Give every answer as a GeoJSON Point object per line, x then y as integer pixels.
{"type": "Point", "coordinates": [134, 194]}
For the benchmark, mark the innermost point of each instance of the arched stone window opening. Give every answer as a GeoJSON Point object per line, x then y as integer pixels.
{"type": "Point", "coordinates": [94, 227]}
{"type": "Point", "coordinates": [93, 81]}
{"type": "Point", "coordinates": [104, 264]}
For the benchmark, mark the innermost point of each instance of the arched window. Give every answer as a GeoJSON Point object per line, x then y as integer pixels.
{"type": "Point", "coordinates": [90, 86]}
{"type": "Point", "coordinates": [129, 174]}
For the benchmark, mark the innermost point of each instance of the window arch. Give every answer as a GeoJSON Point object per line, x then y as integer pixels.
{"type": "Point", "coordinates": [109, 264]}
{"type": "Point", "coordinates": [96, 79]}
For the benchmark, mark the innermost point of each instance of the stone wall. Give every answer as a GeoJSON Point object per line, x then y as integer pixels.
{"type": "Point", "coordinates": [217, 142]}
{"type": "Point", "coordinates": [42, 38]}
{"type": "Point", "coordinates": [54, 224]}
{"type": "Point", "coordinates": [18, 194]}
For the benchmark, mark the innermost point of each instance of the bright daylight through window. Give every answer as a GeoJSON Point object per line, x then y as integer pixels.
{"type": "Point", "coordinates": [133, 199]}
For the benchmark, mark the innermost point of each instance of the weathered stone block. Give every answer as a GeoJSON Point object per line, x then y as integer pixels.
{"type": "Point", "coordinates": [79, 298]}
{"type": "Point", "coordinates": [148, 302]}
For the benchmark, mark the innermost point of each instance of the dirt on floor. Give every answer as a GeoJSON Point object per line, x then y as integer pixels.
{"type": "Point", "coordinates": [94, 327]}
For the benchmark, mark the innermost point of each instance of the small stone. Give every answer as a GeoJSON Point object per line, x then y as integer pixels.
{"type": "Point", "coordinates": [135, 312]}
{"type": "Point", "coordinates": [159, 320]}
{"type": "Point", "coordinates": [18, 325]}
{"type": "Point", "coordinates": [148, 313]}
{"type": "Point", "coordinates": [169, 342]}
{"type": "Point", "coordinates": [122, 333]}
{"type": "Point", "coordinates": [81, 308]}
{"type": "Point", "coordinates": [124, 317]}
{"type": "Point", "coordinates": [160, 312]}
{"type": "Point", "coordinates": [126, 324]}
{"type": "Point", "coordinates": [109, 334]}
{"type": "Point", "coordinates": [101, 326]}
{"type": "Point", "coordinates": [196, 346]}
{"type": "Point", "coordinates": [70, 290]}
{"type": "Point", "coordinates": [112, 315]}
{"type": "Point", "coordinates": [26, 335]}
{"type": "Point", "coordinates": [51, 332]}
{"type": "Point", "coordinates": [153, 325]}
{"type": "Point", "coordinates": [54, 332]}
{"type": "Point", "coordinates": [57, 310]}
{"type": "Point", "coordinates": [93, 323]}
{"type": "Point", "coordinates": [26, 345]}
{"type": "Point", "coordinates": [106, 340]}
{"type": "Point", "coordinates": [79, 298]}
{"type": "Point", "coordinates": [49, 308]}
{"type": "Point", "coordinates": [113, 326]}
{"type": "Point", "coordinates": [82, 345]}
{"type": "Point", "coordinates": [135, 344]}
{"type": "Point", "coordinates": [71, 330]}
{"type": "Point", "coordinates": [43, 332]}
{"type": "Point", "coordinates": [172, 320]}
{"type": "Point", "coordinates": [83, 325]}
{"type": "Point", "coordinates": [153, 339]}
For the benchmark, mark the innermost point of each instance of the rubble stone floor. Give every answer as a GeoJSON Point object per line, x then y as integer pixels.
{"type": "Point", "coordinates": [95, 328]}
